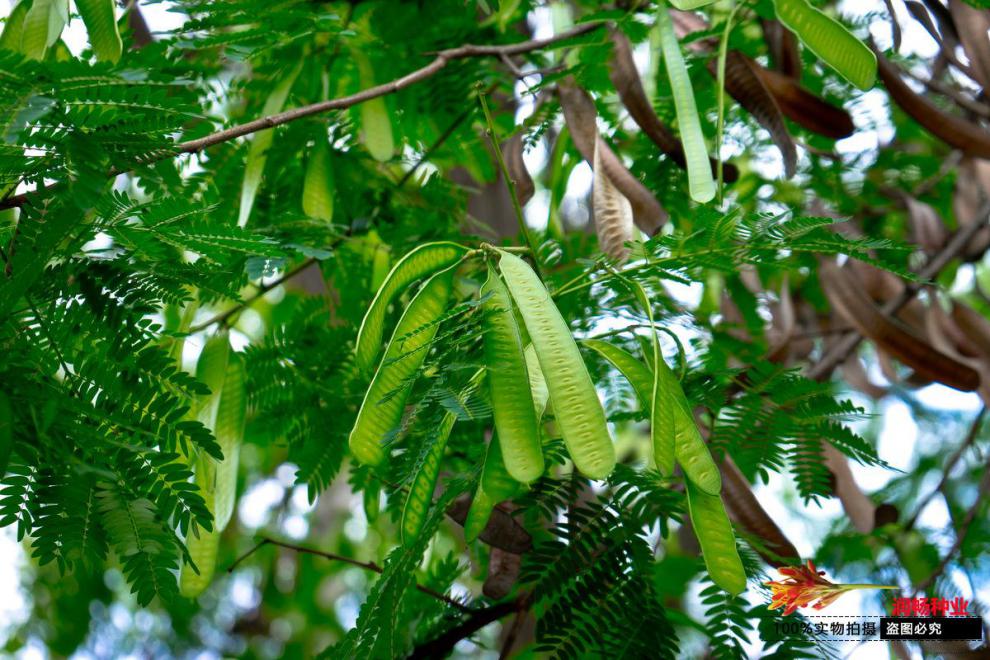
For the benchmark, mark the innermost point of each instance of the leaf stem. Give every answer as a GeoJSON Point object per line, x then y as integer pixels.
{"type": "Point", "coordinates": [510, 184]}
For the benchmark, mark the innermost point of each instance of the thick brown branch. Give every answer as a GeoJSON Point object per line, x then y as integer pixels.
{"type": "Point", "coordinates": [444, 644]}
{"type": "Point", "coordinates": [369, 566]}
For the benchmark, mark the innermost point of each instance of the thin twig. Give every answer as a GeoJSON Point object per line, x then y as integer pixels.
{"type": "Point", "coordinates": [442, 59]}
{"type": "Point", "coordinates": [509, 182]}
{"type": "Point", "coordinates": [367, 565]}
{"type": "Point", "coordinates": [262, 290]}
{"type": "Point", "coordinates": [971, 435]}
{"type": "Point", "coordinates": [960, 535]}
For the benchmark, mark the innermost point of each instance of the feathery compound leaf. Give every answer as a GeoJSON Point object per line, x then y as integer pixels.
{"type": "Point", "coordinates": [261, 141]}
{"type": "Point", "coordinates": [101, 24]}
{"type": "Point", "coordinates": [6, 432]}
{"type": "Point", "coordinates": [830, 41]}
{"type": "Point", "coordinates": [700, 182]}
{"type": "Point", "coordinates": [613, 214]}
{"type": "Point", "coordinates": [579, 412]}
{"type": "Point", "coordinates": [420, 262]}
{"type": "Point", "coordinates": [381, 411]}
{"type": "Point", "coordinates": [717, 540]}
{"type": "Point", "coordinates": [318, 187]}
{"type": "Point", "coordinates": [512, 405]}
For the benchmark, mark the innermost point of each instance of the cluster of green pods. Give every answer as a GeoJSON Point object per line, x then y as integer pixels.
{"type": "Point", "coordinates": [526, 341]}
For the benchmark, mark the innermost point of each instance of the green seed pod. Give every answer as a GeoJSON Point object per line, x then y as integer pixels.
{"type": "Point", "coordinates": [717, 540]}
{"type": "Point", "coordinates": [512, 405]}
{"type": "Point", "coordinates": [579, 412]}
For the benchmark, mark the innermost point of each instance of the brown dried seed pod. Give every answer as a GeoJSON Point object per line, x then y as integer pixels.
{"type": "Point", "coordinates": [613, 214]}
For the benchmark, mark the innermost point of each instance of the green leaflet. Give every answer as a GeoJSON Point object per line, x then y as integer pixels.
{"type": "Point", "coordinates": [579, 412]}
{"type": "Point", "coordinates": [717, 540]}
{"type": "Point", "coordinates": [376, 127]}
{"type": "Point", "coordinates": [690, 449]}
{"type": "Point", "coordinates": [701, 185]}
{"type": "Point", "coordinates": [317, 199]}
{"type": "Point", "coordinates": [229, 433]}
{"type": "Point", "coordinates": [13, 29]}
{"type": "Point", "coordinates": [43, 25]}
{"type": "Point", "coordinates": [417, 506]}
{"type": "Point", "coordinates": [381, 411]}
{"type": "Point", "coordinates": [101, 24]}
{"type": "Point", "coordinates": [830, 41]}
{"type": "Point", "coordinates": [6, 432]}
{"type": "Point", "coordinates": [254, 166]}
{"type": "Point", "coordinates": [418, 263]}
{"type": "Point", "coordinates": [512, 405]}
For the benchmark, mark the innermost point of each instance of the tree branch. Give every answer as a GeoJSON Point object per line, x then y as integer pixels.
{"type": "Point", "coordinates": [441, 646]}
{"type": "Point", "coordinates": [368, 566]}
{"type": "Point", "coordinates": [441, 60]}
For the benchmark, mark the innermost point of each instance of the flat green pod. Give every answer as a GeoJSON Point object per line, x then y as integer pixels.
{"type": "Point", "coordinates": [376, 126]}
{"type": "Point", "coordinates": [229, 432]}
{"type": "Point", "coordinates": [101, 24]}
{"type": "Point", "coordinates": [202, 548]}
{"type": "Point", "coordinates": [211, 370]}
{"type": "Point", "coordinates": [13, 28]}
{"type": "Point", "coordinates": [830, 41]}
{"type": "Point", "coordinates": [537, 383]}
{"type": "Point", "coordinates": [579, 412]}
{"type": "Point", "coordinates": [421, 492]}
{"type": "Point", "coordinates": [701, 185]}
{"type": "Point", "coordinates": [717, 540]}
{"type": "Point", "coordinates": [261, 142]}
{"type": "Point", "coordinates": [482, 505]}
{"type": "Point", "coordinates": [512, 405]}
{"type": "Point", "coordinates": [385, 399]}
{"type": "Point", "coordinates": [418, 263]}
{"type": "Point", "coordinates": [318, 185]}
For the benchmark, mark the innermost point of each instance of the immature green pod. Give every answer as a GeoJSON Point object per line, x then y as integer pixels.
{"type": "Point", "coordinates": [717, 540]}
{"type": "Point", "coordinates": [381, 411]}
{"type": "Point", "coordinates": [229, 432]}
{"type": "Point", "coordinates": [830, 41]}
{"type": "Point", "coordinates": [701, 185]}
{"type": "Point", "coordinates": [376, 127]}
{"type": "Point", "coordinates": [317, 198]}
{"type": "Point", "coordinates": [421, 492]}
{"type": "Point", "coordinates": [512, 405]}
{"type": "Point", "coordinates": [203, 550]}
{"type": "Point", "coordinates": [417, 505]}
{"type": "Point", "coordinates": [482, 505]}
{"type": "Point", "coordinates": [261, 141]}
{"type": "Point", "coordinates": [690, 449]}
{"type": "Point", "coordinates": [420, 262]}
{"type": "Point", "coordinates": [98, 15]}
{"type": "Point", "coordinates": [579, 412]}
{"type": "Point", "coordinates": [211, 370]}
{"type": "Point", "coordinates": [537, 383]}
{"type": "Point", "coordinates": [495, 485]}
{"type": "Point", "coordinates": [13, 27]}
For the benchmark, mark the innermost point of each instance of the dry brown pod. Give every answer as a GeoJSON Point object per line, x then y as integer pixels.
{"type": "Point", "coordinates": [927, 228]}
{"type": "Point", "coordinates": [513, 151]}
{"type": "Point", "coordinates": [503, 571]}
{"type": "Point", "coordinates": [890, 334]}
{"type": "Point", "coordinates": [625, 79]}
{"type": "Point", "coordinates": [783, 46]}
{"type": "Point", "coordinates": [745, 85]}
{"type": "Point", "coordinates": [745, 511]}
{"type": "Point", "coordinates": [972, 25]}
{"type": "Point", "coordinates": [580, 116]}
{"type": "Point", "coordinates": [502, 531]}
{"type": "Point", "coordinates": [972, 188]}
{"type": "Point", "coordinates": [953, 130]}
{"type": "Point", "coordinates": [612, 212]}
{"type": "Point", "coordinates": [804, 108]}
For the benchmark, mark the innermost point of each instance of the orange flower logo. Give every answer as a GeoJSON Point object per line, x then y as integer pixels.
{"type": "Point", "coordinates": [804, 586]}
